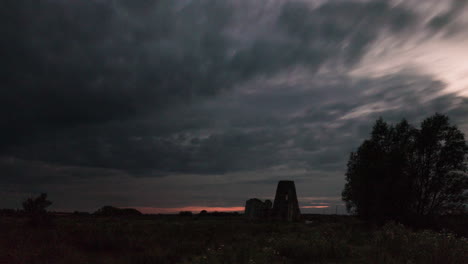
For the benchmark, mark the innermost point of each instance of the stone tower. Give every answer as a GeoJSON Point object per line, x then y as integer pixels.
{"type": "Point", "coordinates": [286, 206]}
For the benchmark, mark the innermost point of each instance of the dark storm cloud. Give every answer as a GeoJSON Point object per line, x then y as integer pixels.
{"type": "Point", "coordinates": [19, 172]}
{"type": "Point", "coordinates": [81, 62]}
{"type": "Point", "coordinates": [339, 27]}
{"type": "Point", "coordinates": [318, 137]}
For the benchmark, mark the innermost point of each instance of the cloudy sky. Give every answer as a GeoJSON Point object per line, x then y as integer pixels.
{"type": "Point", "coordinates": [171, 105]}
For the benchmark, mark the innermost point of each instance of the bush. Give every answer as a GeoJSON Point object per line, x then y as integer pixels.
{"type": "Point", "coordinates": [35, 209]}
{"type": "Point", "coordinates": [396, 244]}
{"type": "Point", "coordinates": [114, 211]}
{"type": "Point", "coordinates": [185, 213]}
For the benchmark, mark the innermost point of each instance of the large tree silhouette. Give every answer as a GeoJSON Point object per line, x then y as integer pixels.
{"type": "Point", "coordinates": [403, 171]}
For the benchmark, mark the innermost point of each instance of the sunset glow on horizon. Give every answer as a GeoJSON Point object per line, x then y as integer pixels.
{"type": "Point", "coordinates": [315, 206]}
{"type": "Point", "coordinates": [193, 209]}
{"type": "Point", "coordinates": [197, 209]}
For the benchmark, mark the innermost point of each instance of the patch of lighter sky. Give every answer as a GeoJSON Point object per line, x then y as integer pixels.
{"type": "Point", "coordinates": [426, 9]}
{"type": "Point", "coordinates": [444, 59]}
{"type": "Point", "coordinates": [369, 109]}
{"type": "Point", "coordinates": [317, 199]}
{"type": "Point", "coordinates": [440, 54]}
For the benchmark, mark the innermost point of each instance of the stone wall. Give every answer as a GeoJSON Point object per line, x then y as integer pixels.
{"type": "Point", "coordinates": [256, 209]}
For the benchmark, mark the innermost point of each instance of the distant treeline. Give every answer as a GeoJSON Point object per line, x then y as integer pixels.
{"type": "Point", "coordinates": [205, 213]}
{"type": "Point", "coordinates": [115, 211]}
{"type": "Point", "coordinates": [103, 211]}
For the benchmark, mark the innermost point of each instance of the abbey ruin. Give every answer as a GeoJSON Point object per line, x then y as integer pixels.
{"type": "Point", "coordinates": [285, 206]}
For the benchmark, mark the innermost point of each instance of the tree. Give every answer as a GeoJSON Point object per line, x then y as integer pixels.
{"type": "Point", "coordinates": [439, 167]}
{"type": "Point", "coordinates": [203, 213]}
{"type": "Point", "coordinates": [36, 206]}
{"type": "Point", "coordinates": [35, 209]}
{"type": "Point", "coordinates": [402, 171]}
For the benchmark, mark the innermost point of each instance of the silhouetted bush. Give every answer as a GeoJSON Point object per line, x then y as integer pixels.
{"type": "Point", "coordinates": [185, 213]}
{"type": "Point", "coordinates": [78, 213]}
{"type": "Point", "coordinates": [225, 214]}
{"type": "Point", "coordinates": [394, 243]}
{"type": "Point", "coordinates": [36, 205]}
{"type": "Point", "coordinates": [8, 212]}
{"type": "Point", "coordinates": [35, 209]}
{"type": "Point", "coordinates": [203, 213]}
{"type": "Point", "coordinates": [130, 211]}
{"type": "Point", "coordinates": [114, 211]}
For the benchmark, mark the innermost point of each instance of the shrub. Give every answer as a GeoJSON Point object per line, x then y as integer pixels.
{"type": "Point", "coordinates": [396, 244]}
{"type": "Point", "coordinates": [35, 209]}
{"type": "Point", "coordinates": [185, 213]}
{"type": "Point", "coordinates": [114, 211]}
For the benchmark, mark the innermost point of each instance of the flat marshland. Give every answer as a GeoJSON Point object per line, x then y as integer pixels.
{"type": "Point", "coordinates": [222, 239]}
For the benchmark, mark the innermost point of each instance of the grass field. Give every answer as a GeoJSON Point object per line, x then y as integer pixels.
{"type": "Point", "coordinates": [230, 239]}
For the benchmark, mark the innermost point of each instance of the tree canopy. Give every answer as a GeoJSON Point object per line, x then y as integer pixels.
{"type": "Point", "coordinates": [36, 205]}
{"type": "Point", "coordinates": [403, 171]}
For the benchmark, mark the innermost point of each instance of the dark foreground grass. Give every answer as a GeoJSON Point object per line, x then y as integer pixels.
{"type": "Point", "coordinates": [172, 239]}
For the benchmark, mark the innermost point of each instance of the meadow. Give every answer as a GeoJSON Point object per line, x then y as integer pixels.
{"type": "Point", "coordinates": [221, 239]}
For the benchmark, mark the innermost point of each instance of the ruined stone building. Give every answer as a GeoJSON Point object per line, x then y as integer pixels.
{"type": "Point", "coordinates": [286, 206]}
{"type": "Point", "coordinates": [256, 209]}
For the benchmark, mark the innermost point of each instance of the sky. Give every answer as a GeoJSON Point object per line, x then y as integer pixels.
{"type": "Point", "coordinates": [180, 105]}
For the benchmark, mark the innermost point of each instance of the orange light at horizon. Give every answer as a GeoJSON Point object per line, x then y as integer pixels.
{"type": "Point", "coordinates": [197, 209]}
{"type": "Point", "coordinates": [193, 209]}
{"type": "Point", "coordinates": [315, 206]}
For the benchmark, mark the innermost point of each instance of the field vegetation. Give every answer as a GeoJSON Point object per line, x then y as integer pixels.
{"type": "Point", "coordinates": [222, 239]}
